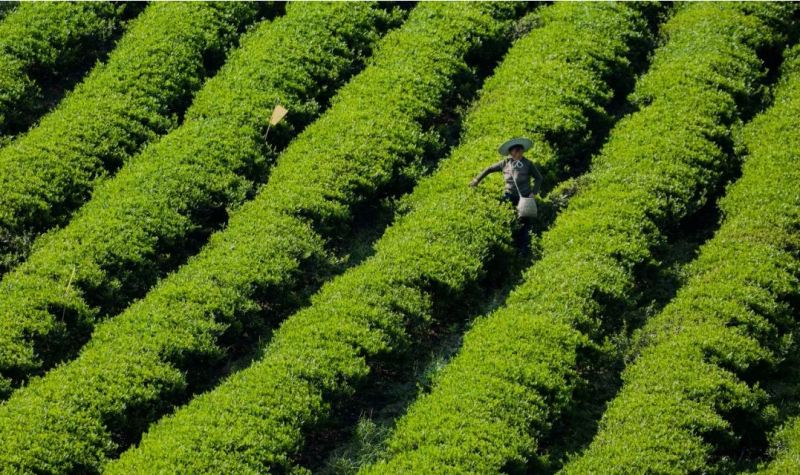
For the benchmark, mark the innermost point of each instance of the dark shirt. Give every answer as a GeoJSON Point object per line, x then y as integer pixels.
{"type": "Point", "coordinates": [522, 173]}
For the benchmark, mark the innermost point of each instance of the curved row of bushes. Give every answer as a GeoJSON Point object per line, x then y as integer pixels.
{"type": "Point", "coordinates": [517, 369]}
{"type": "Point", "coordinates": [147, 359]}
{"type": "Point", "coordinates": [42, 41]}
{"type": "Point", "coordinates": [771, 185]}
{"type": "Point", "coordinates": [134, 97]}
{"type": "Point", "coordinates": [165, 202]}
{"type": "Point", "coordinates": [256, 420]}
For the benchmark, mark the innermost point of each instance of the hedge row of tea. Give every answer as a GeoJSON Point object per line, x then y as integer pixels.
{"type": "Point", "coordinates": [685, 405]}
{"type": "Point", "coordinates": [768, 201]}
{"type": "Point", "coordinates": [163, 204]}
{"type": "Point", "coordinates": [124, 103]}
{"type": "Point", "coordinates": [139, 364]}
{"type": "Point", "coordinates": [256, 420]}
{"type": "Point", "coordinates": [43, 40]}
{"type": "Point", "coordinates": [516, 371]}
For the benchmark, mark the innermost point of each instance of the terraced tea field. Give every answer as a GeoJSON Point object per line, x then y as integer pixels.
{"type": "Point", "coordinates": [188, 287]}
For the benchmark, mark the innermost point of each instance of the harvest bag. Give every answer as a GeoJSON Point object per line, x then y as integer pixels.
{"type": "Point", "coordinates": [526, 208]}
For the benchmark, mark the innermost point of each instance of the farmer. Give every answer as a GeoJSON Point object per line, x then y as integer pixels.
{"type": "Point", "coordinates": [517, 171]}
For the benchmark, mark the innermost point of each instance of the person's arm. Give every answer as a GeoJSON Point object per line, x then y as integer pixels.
{"type": "Point", "coordinates": [497, 167]}
{"type": "Point", "coordinates": [537, 180]}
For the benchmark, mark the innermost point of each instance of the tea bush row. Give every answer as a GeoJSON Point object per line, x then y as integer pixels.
{"type": "Point", "coordinates": [764, 239]}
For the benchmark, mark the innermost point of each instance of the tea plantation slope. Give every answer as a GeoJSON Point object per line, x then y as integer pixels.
{"type": "Point", "coordinates": [123, 104]}
{"type": "Point", "coordinates": [42, 41]}
{"type": "Point", "coordinates": [516, 370]}
{"type": "Point", "coordinates": [256, 421]}
{"type": "Point", "coordinates": [164, 203]}
{"type": "Point", "coordinates": [140, 363]}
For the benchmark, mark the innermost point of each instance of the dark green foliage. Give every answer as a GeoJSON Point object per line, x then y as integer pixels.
{"type": "Point", "coordinates": [124, 103]}
{"type": "Point", "coordinates": [256, 421]}
{"type": "Point", "coordinates": [40, 41]}
{"type": "Point", "coordinates": [140, 363]}
{"type": "Point", "coordinates": [7, 7]}
{"type": "Point", "coordinates": [517, 369]}
{"type": "Point", "coordinates": [165, 201]}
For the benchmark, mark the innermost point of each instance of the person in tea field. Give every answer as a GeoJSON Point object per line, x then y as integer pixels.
{"type": "Point", "coordinates": [517, 172]}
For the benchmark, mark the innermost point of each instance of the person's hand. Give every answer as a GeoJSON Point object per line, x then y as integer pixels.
{"type": "Point", "coordinates": [474, 182]}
